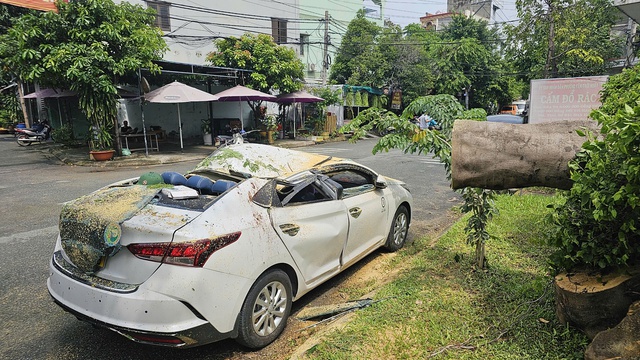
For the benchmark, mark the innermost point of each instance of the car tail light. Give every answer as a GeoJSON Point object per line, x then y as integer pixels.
{"type": "Point", "coordinates": [190, 253]}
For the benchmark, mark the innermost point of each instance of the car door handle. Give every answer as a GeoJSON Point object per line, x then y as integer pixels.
{"type": "Point", "coordinates": [355, 212]}
{"type": "Point", "coordinates": [290, 229]}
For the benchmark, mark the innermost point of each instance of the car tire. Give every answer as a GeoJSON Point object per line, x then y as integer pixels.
{"type": "Point", "coordinates": [399, 230]}
{"type": "Point", "coordinates": [265, 310]}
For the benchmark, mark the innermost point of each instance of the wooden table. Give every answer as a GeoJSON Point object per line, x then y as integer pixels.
{"type": "Point", "coordinates": [150, 136]}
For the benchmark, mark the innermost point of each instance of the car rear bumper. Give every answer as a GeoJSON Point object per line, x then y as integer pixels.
{"type": "Point", "coordinates": [139, 314]}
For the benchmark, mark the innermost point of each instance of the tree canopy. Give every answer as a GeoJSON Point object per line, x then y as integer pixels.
{"type": "Point", "coordinates": [86, 46]}
{"type": "Point", "coordinates": [561, 38]}
{"type": "Point", "coordinates": [462, 58]}
{"type": "Point", "coordinates": [273, 67]}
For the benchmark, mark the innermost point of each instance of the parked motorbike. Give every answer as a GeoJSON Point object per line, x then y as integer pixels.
{"type": "Point", "coordinates": [39, 133]}
{"type": "Point", "coordinates": [238, 137]}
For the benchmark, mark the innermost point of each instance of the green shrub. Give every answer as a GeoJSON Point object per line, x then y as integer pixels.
{"type": "Point", "coordinates": [597, 221]}
{"type": "Point", "coordinates": [64, 135]}
{"type": "Point", "coordinates": [477, 114]}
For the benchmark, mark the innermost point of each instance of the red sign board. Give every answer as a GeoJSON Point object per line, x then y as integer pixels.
{"type": "Point", "coordinates": [44, 5]}
{"type": "Point", "coordinates": [564, 99]}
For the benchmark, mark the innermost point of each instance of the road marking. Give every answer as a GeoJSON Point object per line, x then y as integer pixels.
{"type": "Point", "coordinates": [325, 151]}
{"type": "Point", "coordinates": [45, 233]}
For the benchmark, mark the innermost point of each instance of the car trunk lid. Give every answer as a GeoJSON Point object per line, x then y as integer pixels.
{"type": "Point", "coordinates": [95, 228]}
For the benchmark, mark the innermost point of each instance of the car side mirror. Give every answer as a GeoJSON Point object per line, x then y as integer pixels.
{"type": "Point", "coordinates": [380, 183]}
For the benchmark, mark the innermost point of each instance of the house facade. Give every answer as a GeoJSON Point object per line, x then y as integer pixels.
{"type": "Point", "coordinates": [312, 28]}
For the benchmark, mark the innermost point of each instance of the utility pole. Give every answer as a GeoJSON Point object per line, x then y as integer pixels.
{"type": "Point", "coordinates": [325, 51]}
{"type": "Point", "coordinates": [551, 66]}
{"type": "Point", "coordinates": [631, 34]}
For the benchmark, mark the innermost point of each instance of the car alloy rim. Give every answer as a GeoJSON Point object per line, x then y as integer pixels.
{"type": "Point", "coordinates": [400, 228]}
{"type": "Point", "coordinates": [269, 308]}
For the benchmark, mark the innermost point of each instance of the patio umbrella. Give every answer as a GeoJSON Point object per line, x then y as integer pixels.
{"type": "Point", "coordinates": [176, 93]}
{"type": "Point", "coordinates": [297, 97]}
{"type": "Point", "coordinates": [241, 93]}
{"type": "Point", "coordinates": [51, 93]}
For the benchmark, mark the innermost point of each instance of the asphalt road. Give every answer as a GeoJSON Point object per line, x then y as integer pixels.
{"type": "Point", "coordinates": [33, 188]}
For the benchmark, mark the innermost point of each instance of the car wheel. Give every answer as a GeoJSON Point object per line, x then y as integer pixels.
{"type": "Point", "coordinates": [399, 230]}
{"type": "Point", "coordinates": [266, 309]}
{"type": "Point", "coordinates": [23, 140]}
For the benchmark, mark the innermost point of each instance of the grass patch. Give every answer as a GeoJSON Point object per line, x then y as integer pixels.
{"type": "Point", "coordinates": [440, 308]}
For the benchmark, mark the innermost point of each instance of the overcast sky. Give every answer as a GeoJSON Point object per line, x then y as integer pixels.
{"type": "Point", "coordinates": [404, 12]}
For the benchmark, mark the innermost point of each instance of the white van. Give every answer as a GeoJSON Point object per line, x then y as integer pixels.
{"type": "Point", "coordinates": [520, 106]}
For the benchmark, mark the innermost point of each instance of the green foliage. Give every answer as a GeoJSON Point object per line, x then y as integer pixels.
{"type": "Point", "coordinates": [467, 59]}
{"type": "Point", "coordinates": [358, 61]}
{"type": "Point", "coordinates": [64, 135]}
{"type": "Point", "coordinates": [481, 204]}
{"type": "Point", "coordinates": [597, 220]}
{"type": "Point", "coordinates": [357, 98]}
{"type": "Point", "coordinates": [10, 113]}
{"type": "Point", "coordinates": [274, 67]}
{"type": "Point", "coordinates": [512, 297]}
{"type": "Point", "coordinates": [205, 126]}
{"type": "Point", "coordinates": [86, 46]}
{"type": "Point", "coordinates": [443, 108]}
{"type": "Point", "coordinates": [620, 91]}
{"type": "Point", "coordinates": [349, 99]}
{"type": "Point", "coordinates": [474, 114]}
{"type": "Point", "coordinates": [365, 98]}
{"type": "Point", "coordinates": [580, 44]}
{"type": "Point", "coordinates": [318, 110]}
{"type": "Point", "coordinates": [408, 137]}
{"type": "Point", "coordinates": [330, 96]}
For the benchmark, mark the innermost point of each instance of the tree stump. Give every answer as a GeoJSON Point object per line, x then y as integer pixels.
{"type": "Point", "coordinates": [592, 302]}
{"type": "Point", "coordinates": [621, 342]}
{"type": "Point", "coordinates": [504, 156]}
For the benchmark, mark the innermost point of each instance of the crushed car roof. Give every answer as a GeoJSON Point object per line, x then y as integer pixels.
{"type": "Point", "coordinates": [264, 161]}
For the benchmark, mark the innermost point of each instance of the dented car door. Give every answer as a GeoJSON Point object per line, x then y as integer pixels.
{"type": "Point", "coordinates": [314, 228]}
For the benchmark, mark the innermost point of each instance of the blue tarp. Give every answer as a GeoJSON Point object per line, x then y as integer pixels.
{"type": "Point", "coordinates": [352, 88]}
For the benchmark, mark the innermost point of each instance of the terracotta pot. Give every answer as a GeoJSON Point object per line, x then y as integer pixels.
{"type": "Point", "coordinates": [102, 155]}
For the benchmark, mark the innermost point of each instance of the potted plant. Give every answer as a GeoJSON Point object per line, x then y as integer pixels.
{"type": "Point", "coordinates": [101, 141]}
{"type": "Point", "coordinates": [271, 123]}
{"type": "Point", "coordinates": [206, 131]}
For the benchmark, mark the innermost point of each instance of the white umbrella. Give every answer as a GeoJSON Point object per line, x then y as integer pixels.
{"type": "Point", "coordinates": [176, 93]}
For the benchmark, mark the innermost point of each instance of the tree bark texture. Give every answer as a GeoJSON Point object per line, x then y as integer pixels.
{"type": "Point", "coordinates": [501, 156]}
{"type": "Point", "coordinates": [595, 302]}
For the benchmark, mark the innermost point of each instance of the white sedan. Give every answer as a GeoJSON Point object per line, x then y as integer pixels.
{"type": "Point", "coordinates": [222, 252]}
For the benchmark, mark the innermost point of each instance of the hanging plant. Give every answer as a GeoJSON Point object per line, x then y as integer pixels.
{"type": "Point", "coordinates": [365, 98]}
{"type": "Point", "coordinates": [349, 99]}
{"type": "Point", "coordinates": [358, 99]}
{"type": "Point", "coordinates": [375, 101]}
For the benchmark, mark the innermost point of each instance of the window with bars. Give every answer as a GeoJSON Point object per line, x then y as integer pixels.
{"type": "Point", "coordinates": [279, 30]}
{"type": "Point", "coordinates": [163, 14]}
{"type": "Point", "coordinates": [304, 44]}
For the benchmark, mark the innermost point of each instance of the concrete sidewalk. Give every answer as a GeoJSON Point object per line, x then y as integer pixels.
{"type": "Point", "coordinates": [170, 152]}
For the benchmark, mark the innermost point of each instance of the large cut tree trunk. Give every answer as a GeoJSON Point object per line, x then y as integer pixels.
{"type": "Point", "coordinates": [499, 156]}
{"type": "Point", "coordinates": [595, 302]}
